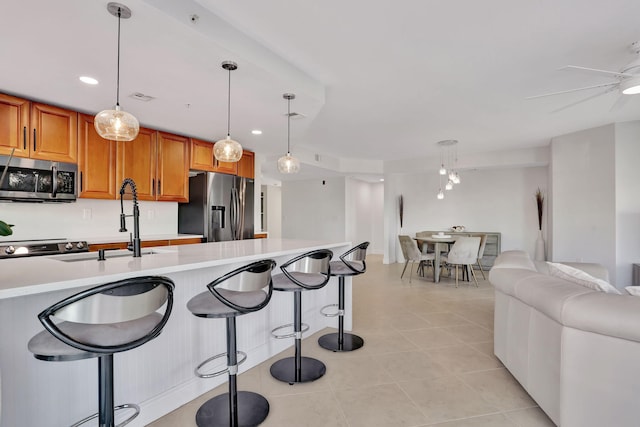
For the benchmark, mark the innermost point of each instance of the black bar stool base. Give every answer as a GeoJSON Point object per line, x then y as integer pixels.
{"type": "Point", "coordinates": [252, 410]}
{"type": "Point", "coordinates": [350, 342]}
{"type": "Point", "coordinates": [285, 370]}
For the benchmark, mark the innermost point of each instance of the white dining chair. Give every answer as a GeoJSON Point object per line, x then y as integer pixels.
{"type": "Point", "coordinates": [483, 243]}
{"type": "Point", "coordinates": [410, 252]}
{"type": "Point", "coordinates": [464, 253]}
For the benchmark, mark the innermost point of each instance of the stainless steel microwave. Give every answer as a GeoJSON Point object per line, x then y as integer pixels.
{"type": "Point", "coordinates": [29, 180]}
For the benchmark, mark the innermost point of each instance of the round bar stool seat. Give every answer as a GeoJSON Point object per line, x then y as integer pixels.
{"type": "Point", "coordinates": [351, 263]}
{"type": "Point", "coordinates": [244, 290]}
{"type": "Point", "coordinates": [100, 322]}
{"type": "Point", "coordinates": [305, 272]}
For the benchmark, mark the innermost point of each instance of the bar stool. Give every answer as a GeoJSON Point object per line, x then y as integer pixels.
{"type": "Point", "coordinates": [305, 272]}
{"type": "Point", "coordinates": [351, 263]}
{"type": "Point", "coordinates": [99, 322]}
{"type": "Point", "coordinates": [244, 290]}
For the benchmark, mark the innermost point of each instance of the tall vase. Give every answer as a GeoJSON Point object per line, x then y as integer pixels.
{"type": "Point", "coordinates": [539, 254]}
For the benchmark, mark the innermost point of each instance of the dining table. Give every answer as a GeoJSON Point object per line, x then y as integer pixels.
{"type": "Point", "coordinates": [440, 244]}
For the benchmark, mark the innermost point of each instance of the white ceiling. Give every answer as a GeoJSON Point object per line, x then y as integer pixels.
{"type": "Point", "coordinates": [377, 80]}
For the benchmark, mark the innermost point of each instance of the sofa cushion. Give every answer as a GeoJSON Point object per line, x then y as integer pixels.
{"type": "Point", "coordinates": [605, 314]}
{"type": "Point", "coordinates": [580, 277]}
{"type": "Point", "coordinates": [598, 271]}
{"type": "Point", "coordinates": [514, 259]}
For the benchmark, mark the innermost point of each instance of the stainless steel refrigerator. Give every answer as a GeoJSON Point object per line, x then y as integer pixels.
{"type": "Point", "coordinates": [220, 207]}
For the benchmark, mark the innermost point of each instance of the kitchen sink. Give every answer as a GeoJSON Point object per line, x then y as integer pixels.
{"type": "Point", "coordinates": [120, 253]}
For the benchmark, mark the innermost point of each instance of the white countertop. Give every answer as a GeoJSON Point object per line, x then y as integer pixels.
{"type": "Point", "coordinates": [26, 276]}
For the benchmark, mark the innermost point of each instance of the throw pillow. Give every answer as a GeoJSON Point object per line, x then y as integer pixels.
{"type": "Point", "coordinates": [575, 275]}
{"type": "Point", "coordinates": [633, 290]}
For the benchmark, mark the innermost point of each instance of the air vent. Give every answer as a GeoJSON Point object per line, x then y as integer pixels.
{"type": "Point", "coordinates": [141, 97]}
{"type": "Point", "coordinates": [295, 116]}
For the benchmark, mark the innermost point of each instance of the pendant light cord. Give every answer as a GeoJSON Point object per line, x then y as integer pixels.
{"type": "Point", "coordinates": [288, 124]}
{"type": "Point", "coordinates": [118, 71]}
{"type": "Point", "coordinates": [229, 106]}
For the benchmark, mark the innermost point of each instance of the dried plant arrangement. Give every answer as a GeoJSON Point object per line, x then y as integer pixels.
{"type": "Point", "coordinates": [401, 209]}
{"type": "Point", "coordinates": [540, 203]}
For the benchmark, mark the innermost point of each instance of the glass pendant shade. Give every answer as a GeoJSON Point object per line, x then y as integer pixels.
{"type": "Point", "coordinates": [443, 170]}
{"type": "Point", "coordinates": [456, 178]}
{"type": "Point", "coordinates": [227, 150]}
{"type": "Point", "coordinates": [116, 125]}
{"type": "Point", "coordinates": [288, 164]}
{"type": "Point", "coordinates": [440, 194]}
{"type": "Point", "coordinates": [449, 185]}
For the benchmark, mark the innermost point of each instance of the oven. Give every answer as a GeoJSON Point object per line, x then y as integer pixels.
{"type": "Point", "coordinates": [29, 180]}
{"type": "Point", "coordinates": [29, 248]}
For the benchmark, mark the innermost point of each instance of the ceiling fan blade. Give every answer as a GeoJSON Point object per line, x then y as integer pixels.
{"type": "Point", "coordinates": [580, 101]}
{"type": "Point", "coordinates": [622, 100]}
{"type": "Point", "coordinates": [596, 71]}
{"type": "Point", "coordinates": [574, 90]}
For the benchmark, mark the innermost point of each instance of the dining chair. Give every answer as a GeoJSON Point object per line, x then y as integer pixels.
{"type": "Point", "coordinates": [464, 252]}
{"type": "Point", "coordinates": [483, 243]}
{"type": "Point", "coordinates": [410, 252]}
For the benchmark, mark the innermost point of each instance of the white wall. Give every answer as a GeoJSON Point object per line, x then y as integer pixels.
{"type": "Point", "coordinates": [273, 198]}
{"type": "Point", "coordinates": [498, 200]}
{"type": "Point", "coordinates": [86, 218]}
{"type": "Point", "coordinates": [583, 174]}
{"type": "Point", "coordinates": [364, 214]}
{"type": "Point", "coordinates": [627, 177]}
{"type": "Point", "coordinates": [314, 209]}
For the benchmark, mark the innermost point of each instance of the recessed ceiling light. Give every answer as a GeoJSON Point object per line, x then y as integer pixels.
{"type": "Point", "coordinates": [256, 132]}
{"type": "Point", "coordinates": [381, 179]}
{"type": "Point", "coordinates": [88, 80]}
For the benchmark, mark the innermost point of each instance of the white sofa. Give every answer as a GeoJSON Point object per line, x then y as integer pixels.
{"type": "Point", "coordinates": [575, 350]}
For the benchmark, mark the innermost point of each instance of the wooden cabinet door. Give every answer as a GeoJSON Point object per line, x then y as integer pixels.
{"type": "Point", "coordinates": [96, 162]}
{"type": "Point", "coordinates": [137, 160]}
{"type": "Point", "coordinates": [14, 126]}
{"type": "Point", "coordinates": [202, 158]}
{"type": "Point", "coordinates": [246, 166]}
{"type": "Point", "coordinates": [173, 168]}
{"type": "Point", "coordinates": [54, 133]}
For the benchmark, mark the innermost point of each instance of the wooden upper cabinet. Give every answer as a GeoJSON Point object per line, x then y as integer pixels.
{"type": "Point", "coordinates": [202, 158]}
{"type": "Point", "coordinates": [14, 126]}
{"type": "Point", "coordinates": [54, 133]}
{"type": "Point", "coordinates": [96, 162]}
{"type": "Point", "coordinates": [173, 168]}
{"type": "Point", "coordinates": [246, 165]}
{"type": "Point", "coordinates": [137, 160]}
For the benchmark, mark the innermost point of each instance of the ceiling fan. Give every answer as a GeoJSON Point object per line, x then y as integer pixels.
{"type": "Point", "coordinates": [627, 81]}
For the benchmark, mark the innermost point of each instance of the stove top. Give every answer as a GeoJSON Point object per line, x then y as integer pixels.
{"type": "Point", "coordinates": [28, 248]}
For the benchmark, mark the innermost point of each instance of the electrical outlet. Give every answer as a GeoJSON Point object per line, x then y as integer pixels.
{"type": "Point", "coordinates": [86, 213]}
{"type": "Point", "coordinates": [151, 214]}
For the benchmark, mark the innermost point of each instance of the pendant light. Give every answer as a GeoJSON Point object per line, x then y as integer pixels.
{"type": "Point", "coordinates": [116, 124]}
{"type": "Point", "coordinates": [228, 150]}
{"type": "Point", "coordinates": [288, 163]}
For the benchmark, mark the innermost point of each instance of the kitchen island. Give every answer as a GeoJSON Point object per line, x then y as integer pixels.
{"type": "Point", "coordinates": [159, 375]}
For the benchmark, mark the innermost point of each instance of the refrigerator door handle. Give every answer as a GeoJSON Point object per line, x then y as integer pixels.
{"type": "Point", "coordinates": [234, 214]}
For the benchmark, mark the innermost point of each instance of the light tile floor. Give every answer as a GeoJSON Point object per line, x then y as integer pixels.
{"type": "Point", "coordinates": [427, 361]}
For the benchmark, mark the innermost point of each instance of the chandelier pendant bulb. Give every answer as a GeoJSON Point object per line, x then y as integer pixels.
{"type": "Point", "coordinates": [116, 124]}
{"type": "Point", "coordinates": [228, 150]}
{"type": "Point", "coordinates": [288, 164]}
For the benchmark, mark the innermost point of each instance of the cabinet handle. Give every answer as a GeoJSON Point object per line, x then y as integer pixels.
{"type": "Point", "coordinates": [34, 139]}
{"type": "Point", "coordinates": [81, 180]}
{"type": "Point", "coordinates": [159, 187]}
{"type": "Point", "coordinates": [153, 187]}
{"type": "Point", "coordinates": [24, 138]}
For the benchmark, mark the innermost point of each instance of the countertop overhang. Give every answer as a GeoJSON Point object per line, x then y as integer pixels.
{"type": "Point", "coordinates": [26, 276]}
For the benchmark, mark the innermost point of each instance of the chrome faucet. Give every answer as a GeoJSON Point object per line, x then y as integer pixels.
{"type": "Point", "coordinates": [134, 243]}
